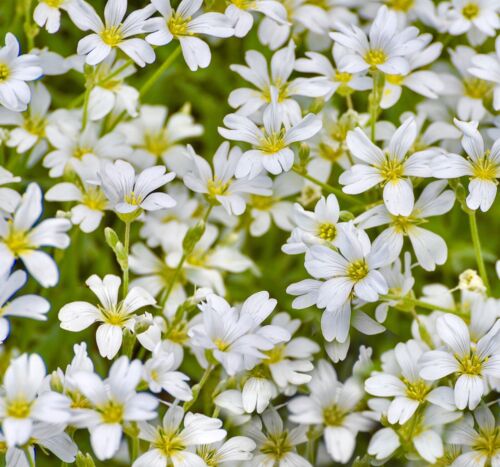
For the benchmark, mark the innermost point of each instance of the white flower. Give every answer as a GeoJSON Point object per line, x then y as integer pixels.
{"type": "Point", "coordinates": [314, 228]}
{"type": "Point", "coordinates": [390, 168]}
{"type": "Point", "coordinates": [179, 24]}
{"type": "Point", "coordinates": [15, 71]}
{"type": "Point", "coordinates": [239, 12]}
{"type": "Point", "coordinates": [9, 198]}
{"type": "Point", "coordinates": [235, 335]}
{"type": "Point", "coordinates": [271, 142]}
{"type": "Point", "coordinates": [129, 193]}
{"type": "Point", "coordinates": [331, 404]}
{"type": "Point", "coordinates": [25, 400]}
{"type": "Point", "coordinates": [114, 32]}
{"type": "Point", "coordinates": [481, 165]}
{"type": "Point", "coordinates": [237, 448]}
{"type": "Point", "coordinates": [114, 402]}
{"type": "Point", "coordinates": [384, 49]}
{"type": "Point", "coordinates": [156, 138]}
{"type": "Point", "coordinates": [430, 249]}
{"type": "Point", "coordinates": [248, 101]}
{"type": "Point", "coordinates": [276, 444]}
{"type": "Point", "coordinates": [219, 185]}
{"type": "Point", "coordinates": [115, 315]}
{"type": "Point", "coordinates": [171, 443]}
{"type": "Point", "coordinates": [47, 14]}
{"type": "Point", "coordinates": [20, 239]}
{"type": "Point", "coordinates": [27, 306]}
{"type": "Point", "coordinates": [481, 442]}
{"type": "Point", "coordinates": [473, 16]}
{"type": "Point", "coordinates": [470, 361]}
{"type": "Point", "coordinates": [487, 67]}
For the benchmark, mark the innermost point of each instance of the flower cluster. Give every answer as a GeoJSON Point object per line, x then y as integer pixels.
{"type": "Point", "coordinates": [295, 264]}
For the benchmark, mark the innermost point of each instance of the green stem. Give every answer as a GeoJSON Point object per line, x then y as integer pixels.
{"type": "Point", "coordinates": [419, 303]}
{"type": "Point", "coordinates": [157, 74]}
{"type": "Point", "coordinates": [125, 270]}
{"type": "Point", "coordinates": [31, 461]}
{"type": "Point", "coordinates": [331, 189]}
{"type": "Point", "coordinates": [477, 250]}
{"type": "Point", "coordinates": [348, 100]}
{"type": "Point", "coordinates": [135, 448]}
{"type": "Point", "coordinates": [29, 29]}
{"type": "Point", "coordinates": [197, 387]}
{"type": "Point", "coordinates": [374, 101]}
{"type": "Point", "coordinates": [86, 98]}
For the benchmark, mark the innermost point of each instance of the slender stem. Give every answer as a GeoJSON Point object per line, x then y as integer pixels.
{"type": "Point", "coordinates": [374, 101]}
{"type": "Point", "coordinates": [477, 249]}
{"type": "Point", "coordinates": [157, 74]}
{"type": "Point", "coordinates": [197, 388]}
{"type": "Point", "coordinates": [125, 270]}
{"type": "Point", "coordinates": [419, 303]}
{"type": "Point", "coordinates": [331, 189]}
{"type": "Point", "coordinates": [135, 448]}
{"type": "Point", "coordinates": [29, 29]}
{"type": "Point", "coordinates": [31, 461]}
{"type": "Point", "coordinates": [86, 98]}
{"type": "Point", "coordinates": [348, 100]}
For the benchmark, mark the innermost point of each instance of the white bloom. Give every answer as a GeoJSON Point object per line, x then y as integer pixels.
{"type": "Point", "coordinates": [25, 401]}
{"type": "Point", "coordinates": [430, 249]}
{"type": "Point", "coordinates": [129, 193]}
{"type": "Point", "coordinates": [271, 142]}
{"type": "Point", "coordinates": [47, 14]}
{"type": "Point", "coordinates": [473, 17]}
{"type": "Point", "coordinates": [20, 239]}
{"type": "Point", "coordinates": [115, 315]}
{"type": "Point", "coordinates": [114, 32]}
{"type": "Point", "coordinates": [331, 404]}
{"type": "Point", "coordinates": [15, 71]}
{"type": "Point", "coordinates": [237, 448]}
{"type": "Point", "coordinates": [470, 361]}
{"type": "Point", "coordinates": [390, 168]}
{"type": "Point", "coordinates": [156, 138]}
{"type": "Point", "coordinates": [27, 306]}
{"type": "Point", "coordinates": [171, 443]}
{"type": "Point", "coordinates": [481, 165]}
{"type": "Point", "coordinates": [235, 335]}
{"type": "Point", "coordinates": [219, 185]}
{"type": "Point", "coordinates": [114, 402]}
{"type": "Point", "coordinates": [384, 49]}
{"type": "Point", "coordinates": [179, 24]}
{"type": "Point", "coordinates": [9, 198]}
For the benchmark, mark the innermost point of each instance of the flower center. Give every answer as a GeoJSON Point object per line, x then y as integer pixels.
{"type": "Point", "coordinates": [178, 333]}
{"type": "Point", "coordinates": [217, 187]}
{"type": "Point", "coordinates": [53, 3]}
{"type": "Point", "coordinates": [330, 152]}
{"type": "Point", "coordinates": [277, 445]}
{"type": "Point", "coordinates": [169, 443]}
{"type": "Point", "coordinates": [375, 57]}
{"type": "Point", "coordinates": [112, 412]}
{"type": "Point", "coordinates": [275, 355]}
{"type": "Point", "coordinates": [417, 390]}
{"type": "Point", "coordinates": [178, 25]}
{"type": "Point", "coordinates": [343, 77]}
{"type": "Point", "coordinates": [263, 203]}
{"type": "Point", "coordinates": [282, 91]}
{"type": "Point", "coordinates": [470, 365]}
{"type": "Point", "coordinates": [400, 5]}
{"type": "Point", "coordinates": [244, 4]}
{"type": "Point", "coordinates": [470, 11]}
{"type": "Point", "coordinates": [391, 170]}
{"type": "Point", "coordinates": [395, 79]}
{"type": "Point", "coordinates": [155, 143]}
{"type": "Point", "coordinates": [221, 344]}
{"type": "Point", "coordinates": [488, 443]}
{"type": "Point", "coordinates": [327, 232]}
{"type": "Point", "coordinates": [35, 126]}
{"type": "Point", "coordinates": [4, 72]}
{"type": "Point", "coordinates": [79, 152]}
{"type": "Point", "coordinates": [333, 416]}
{"type": "Point", "coordinates": [112, 36]}
{"type": "Point", "coordinates": [133, 199]}
{"type": "Point", "coordinates": [357, 270]}
{"type": "Point", "coordinates": [94, 199]}
{"type": "Point", "coordinates": [402, 224]}
{"type": "Point", "coordinates": [273, 142]}
{"type": "Point", "coordinates": [114, 316]}
{"type": "Point", "coordinates": [484, 168]}
{"type": "Point", "coordinates": [18, 408]}
{"type": "Point", "coordinates": [17, 242]}
{"type": "Point", "coordinates": [78, 400]}
{"type": "Point", "coordinates": [476, 88]}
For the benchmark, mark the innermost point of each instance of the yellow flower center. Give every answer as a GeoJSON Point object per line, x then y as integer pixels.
{"type": "Point", "coordinates": [178, 25]}
{"type": "Point", "coordinates": [95, 199]}
{"type": "Point", "coordinates": [375, 57]}
{"type": "Point", "coordinates": [282, 91]}
{"type": "Point", "coordinates": [333, 416]}
{"type": "Point", "coordinates": [18, 408]}
{"type": "Point", "coordinates": [485, 169]}
{"type": "Point", "coordinates": [178, 333]}
{"type": "Point", "coordinates": [169, 443]}
{"type": "Point", "coordinates": [273, 142]}
{"type": "Point", "coordinates": [112, 36]}
{"type": "Point", "coordinates": [35, 126]}
{"type": "Point", "coordinates": [114, 316]}
{"type": "Point", "coordinates": [53, 3]}
{"type": "Point", "coordinates": [79, 152]}
{"type": "Point", "coordinates": [470, 11]}
{"type": "Point", "coordinates": [133, 199]}
{"type": "Point", "coordinates": [488, 443]}
{"type": "Point", "coordinates": [156, 143]}
{"type": "Point", "coordinates": [357, 270]}
{"type": "Point", "coordinates": [471, 364]}
{"type": "Point", "coordinates": [217, 187]}
{"type": "Point", "coordinates": [244, 4]}
{"type": "Point", "coordinates": [79, 401]}
{"type": "Point", "coordinates": [275, 355]}
{"type": "Point", "coordinates": [17, 242]}
{"type": "Point", "coordinates": [343, 77]}
{"type": "Point", "coordinates": [277, 445]}
{"type": "Point", "coordinates": [402, 224]}
{"type": "Point", "coordinates": [4, 72]}
{"type": "Point", "coordinates": [391, 170]}
{"type": "Point", "coordinates": [417, 390]}
{"type": "Point", "coordinates": [400, 5]}
{"type": "Point", "coordinates": [263, 203]}
{"type": "Point", "coordinates": [112, 412]}
{"type": "Point", "coordinates": [221, 344]}
{"type": "Point", "coordinates": [329, 152]}
{"type": "Point", "coordinates": [327, 232]}
{"type": "Point", "coordinates": [395, 79]}
{"type": "Point", "coordinates": [476, 88]}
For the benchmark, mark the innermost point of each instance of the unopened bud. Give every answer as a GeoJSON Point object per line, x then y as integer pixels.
{"type": "Point", "coordinates": [470, 280]}
{"type": "Point", "coordinates": [192, 237]}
